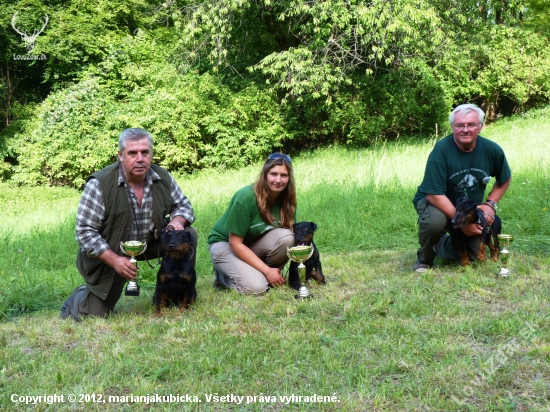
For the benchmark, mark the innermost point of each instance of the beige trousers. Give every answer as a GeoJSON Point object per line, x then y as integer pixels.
{"type": "Point", "coordinates": [232, 272]}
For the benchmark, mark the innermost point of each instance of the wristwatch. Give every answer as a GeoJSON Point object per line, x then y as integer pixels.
{"type": "Point", "coordinates": [491, 203]}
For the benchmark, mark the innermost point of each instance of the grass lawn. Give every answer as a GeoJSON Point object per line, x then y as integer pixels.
{"type": "Point", "coordinates": [378, 337]}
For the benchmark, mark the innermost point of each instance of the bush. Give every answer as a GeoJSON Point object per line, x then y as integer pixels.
{"type": "Point", "coordinates": [503, 69]}
{"type": "Point", "coordinates": [371, 109]}
{"type": "Point", "coordinates": [67, 138]}
{"type": "Point", "coordinates": [196, 121]}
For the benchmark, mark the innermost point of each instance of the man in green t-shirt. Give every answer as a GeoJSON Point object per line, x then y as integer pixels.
{"type": "Point", "coordinates": [461, 164]}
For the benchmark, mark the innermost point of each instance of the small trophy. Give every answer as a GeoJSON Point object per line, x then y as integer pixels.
{"type": "Point", "coordinates": [300, 254]}
{"type": "Point", "coordinates": [133, 248]}
{"type": "Point", "coordinates": [505, 240]}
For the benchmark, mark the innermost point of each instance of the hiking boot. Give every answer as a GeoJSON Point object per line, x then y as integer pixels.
{"type": "Point", "coordinates": [218, 284]}
{"type": "Point", "coordinates": [70, 307]}
{"type": "Point", "coordinates": [421, 267]}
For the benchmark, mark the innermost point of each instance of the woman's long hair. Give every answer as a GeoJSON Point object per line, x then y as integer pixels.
{"type": "Point", "coordinates": [287, 198]}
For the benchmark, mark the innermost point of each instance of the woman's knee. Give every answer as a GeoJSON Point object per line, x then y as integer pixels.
{"type": "Point", "coordinates": [251, 285]}
{"type": "Point", "coordinates": [282, 239]}
{"type": "Point", "coordinates": [278, 255]}
{"type": "Point", "coordinates": [287, 240]}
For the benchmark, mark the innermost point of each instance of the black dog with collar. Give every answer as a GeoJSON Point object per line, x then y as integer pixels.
{"type": "Point", "coordinates": [176, 277]}
{"type": "Point", "coordinates": [303, 235]}
{"type": "Point", "coordinates": [468, 212]}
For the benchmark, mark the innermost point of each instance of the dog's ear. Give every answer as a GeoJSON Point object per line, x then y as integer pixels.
{"type": "Point", "coordinates": [469, 204]}
{"type": "Point", "coordinates": [464, 203]}
{"type": "Point", "coordinates": [313, 225]}
{"type": "Point", "coordinates": [460, 200]}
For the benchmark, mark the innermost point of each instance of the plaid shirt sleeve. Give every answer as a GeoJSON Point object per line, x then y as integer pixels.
{"type": "Point", "coordinates": [89, 220]}
{"type": "Point", "coordinates": [182, 205]}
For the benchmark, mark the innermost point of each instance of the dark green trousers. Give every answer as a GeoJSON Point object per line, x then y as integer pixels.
{"type": "Point", "coordinates": [432, 227]}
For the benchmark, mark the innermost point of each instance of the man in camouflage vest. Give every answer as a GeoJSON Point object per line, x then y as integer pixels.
{"type": "Point", "coordinates": [128, 200]}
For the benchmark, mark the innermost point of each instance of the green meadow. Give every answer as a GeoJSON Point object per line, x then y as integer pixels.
{"type": "Point", "coordinates": [377, 337]}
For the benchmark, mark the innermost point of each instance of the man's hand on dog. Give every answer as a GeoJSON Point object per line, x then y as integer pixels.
{"type": "Point", "coordinates": [472, 229]}
{"type": "Point", "coordinates": [178, 223]}
{"type": "Point", "coordinates": [273, 276]}
{"type": "Point", "coordinates": [488, 212]}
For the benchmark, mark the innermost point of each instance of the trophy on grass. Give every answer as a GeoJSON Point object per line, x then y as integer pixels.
{"type": "Point", "coordinates": [133, 248]}
{"type": "Point", "coordinates": [300, 254]}
{"type": "Point", "coordinates": [505, 241]}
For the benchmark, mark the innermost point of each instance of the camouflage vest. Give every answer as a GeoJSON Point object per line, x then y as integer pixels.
{"type": "Point", "coordinates": [118, 220]}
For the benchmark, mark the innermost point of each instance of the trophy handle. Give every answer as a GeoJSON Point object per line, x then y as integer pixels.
{"type": "Point", "coordinates": [302, 258]}
{"type": "Point", "coordinates": [133, 253]}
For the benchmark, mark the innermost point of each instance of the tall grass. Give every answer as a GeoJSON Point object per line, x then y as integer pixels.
{"type": "Point", "coordinates": [360, 199]}
{"type": "Point", "coordinates": [378, 336]}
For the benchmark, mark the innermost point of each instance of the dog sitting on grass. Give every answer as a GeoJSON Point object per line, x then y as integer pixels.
{"type": "Point", "coordinates": [303, 235]}
{"type": "Point", "coordinates": [468, 212]}
{"type": "Point", "coordinates": [176, 277]}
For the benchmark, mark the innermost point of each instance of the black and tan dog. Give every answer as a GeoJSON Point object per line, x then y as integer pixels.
{"type": "Point", "coordinates": [176, 277]}
{"type": "Point", "coordinates": [468, 212]}
{"type": "Point", "coordinates": [303, 235]}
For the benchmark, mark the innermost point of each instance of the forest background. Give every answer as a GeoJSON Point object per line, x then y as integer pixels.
{"type": "Point", "coordinates": [222, 83]}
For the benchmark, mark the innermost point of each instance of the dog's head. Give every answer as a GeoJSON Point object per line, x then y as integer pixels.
{"type": "Point", "coordinates": [175, 242]}
{"type": "Point", "coordinates": [303, 233]}
{"type": "Point", "coordinates": [466, 212]}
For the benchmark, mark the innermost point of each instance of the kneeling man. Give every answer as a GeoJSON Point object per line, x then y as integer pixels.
{"type": "Point", "coordinates": [461, 164]}
{"type": "Point", "coordinates": [127, 200]}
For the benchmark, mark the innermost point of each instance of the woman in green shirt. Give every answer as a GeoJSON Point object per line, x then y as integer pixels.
{"type": "Point", "coordinates": [248, 243]}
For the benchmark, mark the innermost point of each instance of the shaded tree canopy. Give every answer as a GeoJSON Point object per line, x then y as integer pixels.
{"type": "Point", "coordinates": [222, 82]}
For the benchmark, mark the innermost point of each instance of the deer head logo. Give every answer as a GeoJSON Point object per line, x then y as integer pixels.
{"type": "Point", "coordinates": [29, 39]}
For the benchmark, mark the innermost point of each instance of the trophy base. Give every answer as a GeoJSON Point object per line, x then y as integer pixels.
{"type": "Point", "coordinates": [132, 289]}
{"type": "Point", "coordinates": [303, 293]}
{"type": "Point", "coordinates": [504, 273]}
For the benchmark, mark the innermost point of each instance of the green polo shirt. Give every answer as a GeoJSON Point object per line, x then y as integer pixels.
{"type": "Point", "coordinates": [243, 218]}
{"type": "Point", "coordinates": [454, 173]}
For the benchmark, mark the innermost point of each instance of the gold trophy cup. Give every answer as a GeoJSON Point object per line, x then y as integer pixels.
{"type": "Point", "coordinates": [133, 248]}
{"type": "Point", "coordinates": [300, 254]}
{"type": "Point", "coordinates": [505, 241]}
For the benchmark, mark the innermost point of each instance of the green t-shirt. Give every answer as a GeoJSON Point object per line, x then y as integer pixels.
{"type": "Point", "coordinates": [243, 218]}
{"type": "Point", "coordinates": [454, 173]}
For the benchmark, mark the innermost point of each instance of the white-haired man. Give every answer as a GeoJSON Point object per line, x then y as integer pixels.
{"type": "Point", "coordinates": [461, 164]}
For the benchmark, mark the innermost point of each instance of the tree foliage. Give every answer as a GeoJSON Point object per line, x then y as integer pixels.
{"type": "Point", "coordinates": [223, 82]}
{"type": "Point", "coordinates": [197, 121]}
{"type": "Point", "coordinates": [482, 50]}
{"type": "Point", "coordinates": [315, 45]}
